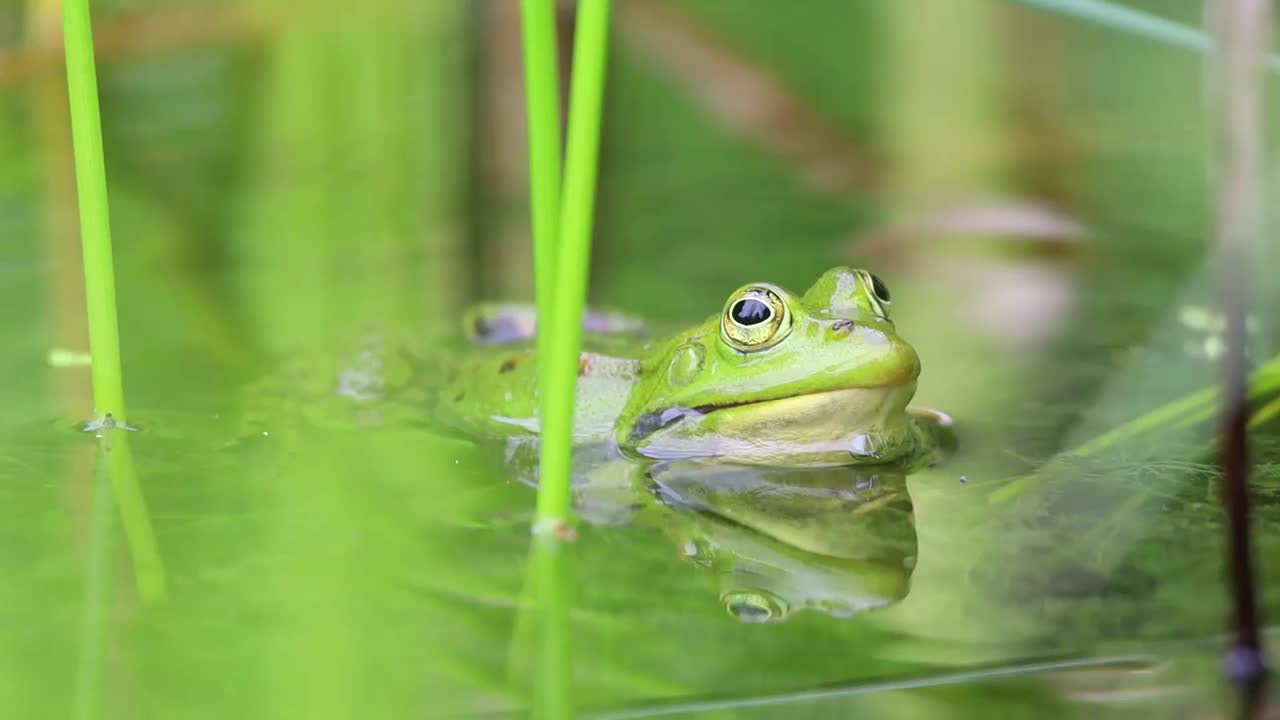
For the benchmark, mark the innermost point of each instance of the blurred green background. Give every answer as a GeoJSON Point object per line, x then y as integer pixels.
{"type": "Point", "coordinates": [293, 182]}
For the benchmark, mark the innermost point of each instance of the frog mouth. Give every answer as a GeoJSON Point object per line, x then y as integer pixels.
{"type": "Point", "coordinates": [789, 417]}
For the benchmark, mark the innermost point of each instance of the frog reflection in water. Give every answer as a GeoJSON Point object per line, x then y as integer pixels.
{"type": "Point", "coordinates": [773, 438]}
{"type": "Point", "coordinates": [838, 540]}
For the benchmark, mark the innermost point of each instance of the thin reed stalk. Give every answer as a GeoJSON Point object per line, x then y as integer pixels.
{"type": "Point", "coordinates": [95, 223]}
{"type": "Point", "coordinates": [561, 328]}
{"type": "Point", "coordinates": [1236, 107]}
{"type": "Point", "coordinates": [100, 295]}
{"type": "Point", "coordinates": [542, 97]}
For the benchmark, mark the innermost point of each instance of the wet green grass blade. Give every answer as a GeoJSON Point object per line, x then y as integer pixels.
{"type": "Point", "coordinates": [559, 371]}
{"type": "Point", "coordinates": [95, 225]}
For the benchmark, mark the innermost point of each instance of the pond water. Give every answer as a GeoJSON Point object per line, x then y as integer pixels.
{"type": "Point", "coordinates": [296, 196]}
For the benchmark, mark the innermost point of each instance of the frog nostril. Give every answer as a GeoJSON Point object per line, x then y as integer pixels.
{"type": "Point", "coordinates": [842, 327]}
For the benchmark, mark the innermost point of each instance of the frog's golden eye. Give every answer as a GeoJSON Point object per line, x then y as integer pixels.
{"type": "Point", "coordinates": [755, 319]}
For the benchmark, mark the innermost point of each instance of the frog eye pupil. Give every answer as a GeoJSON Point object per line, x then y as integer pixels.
{"type": "Point", "coordinates": [880, 289]}
{"type": "Point", "coordinates": [749, 311]}
{"type": "Point", "coordinates": [755, 318]}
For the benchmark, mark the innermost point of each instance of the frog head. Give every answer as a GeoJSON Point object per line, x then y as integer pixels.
{"type": "Point", "coordinates": [775, 377]}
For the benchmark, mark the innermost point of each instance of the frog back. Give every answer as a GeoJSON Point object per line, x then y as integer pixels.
{"type": "Point", "coordinates": [494, 391]}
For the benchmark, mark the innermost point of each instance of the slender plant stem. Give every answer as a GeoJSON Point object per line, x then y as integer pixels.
{"type": "Point", "coordinates": [542, 97]}
{"type": "Point", "coordinates": [100, 293]}
{"type": "Point", "coordinates": [564, 325]}
{"type": "Point", "coordinates": [95, 223]}
{"type": "Point", "coordinates": [1236, 105]}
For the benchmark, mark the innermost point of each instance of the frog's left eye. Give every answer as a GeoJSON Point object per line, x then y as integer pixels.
{"type": "Point", "coordinates": [755, 319]}
{"type": "Point", "coordinates": [880, 289]}
{"type": "Point", "coordinates": [876, 294]}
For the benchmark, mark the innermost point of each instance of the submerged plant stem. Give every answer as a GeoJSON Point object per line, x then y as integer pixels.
{"type": "Point", "coordinates": [563, 327]}
{"type": "Point", "coordinates": [95, 225]}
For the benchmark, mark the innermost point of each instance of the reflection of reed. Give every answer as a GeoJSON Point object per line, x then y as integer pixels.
{"type": "Point", "coordinates": [148, 568]}
{"type": "Point", "coordinates": [540, 652]}
{"type": "Point", "coordinates": [95, 616]}
{"type": "Point", "coordinates": [552, 691]}
{"type": "Point", "coordinates": [348, 155]}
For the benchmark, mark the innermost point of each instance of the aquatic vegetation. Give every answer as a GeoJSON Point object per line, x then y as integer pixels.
{"type": "Point", "coordinates": [303, 203]}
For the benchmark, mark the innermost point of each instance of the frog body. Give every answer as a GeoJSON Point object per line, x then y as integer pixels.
{"type": "Point", "coordinates": [775, 378]}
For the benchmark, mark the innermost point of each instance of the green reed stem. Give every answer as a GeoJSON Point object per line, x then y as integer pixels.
{"type": "Point", "coordinates": [542, 96]}
{"type": "Point", "coordinates": [95, 225]}
{"type": "Point", "coordinates": [563, 340]}
{"type": "Point", "coordinates": [100, 294]}
{"type": "Point", "coordinates": [1135, 22]}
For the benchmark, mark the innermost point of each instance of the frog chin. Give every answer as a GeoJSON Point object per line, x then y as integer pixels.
{"type": "Point", "coordinates": [834, 427]}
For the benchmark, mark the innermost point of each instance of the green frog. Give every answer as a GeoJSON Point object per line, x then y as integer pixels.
{"type": "Point", "coordinates": [774, 378]}
{"type": "Point", "coordinates": [770, 441]}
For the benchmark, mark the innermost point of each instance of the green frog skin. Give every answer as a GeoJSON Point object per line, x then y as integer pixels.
{"type": "Point", "coordinates": [773, 378]}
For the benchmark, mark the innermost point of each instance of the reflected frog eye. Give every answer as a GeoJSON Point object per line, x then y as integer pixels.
{"type": "Point", "coordinates": [755, 606]}
{"type": "Point", "coordinates": [755, 319]}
